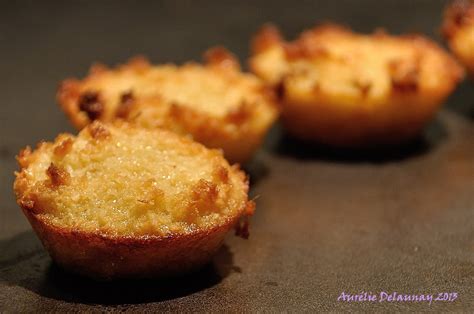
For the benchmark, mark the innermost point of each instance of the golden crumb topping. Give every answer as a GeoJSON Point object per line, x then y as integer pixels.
{"type": "Point", "coordinates": [347, 89]}
{"type": "Point", "coordinates": [358, 69]}
{"type": "Point", "coordinates": [191, 85]}
{"type": "Point", "coordinates": [218, 89]}
{"type": "Point", "coordinates": [215, 103]}
{"type": "Point", "coordinates": [121, 180]}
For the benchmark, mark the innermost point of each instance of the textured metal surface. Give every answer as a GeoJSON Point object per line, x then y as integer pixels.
{"type": "Point", "coordinates": [327, 222]}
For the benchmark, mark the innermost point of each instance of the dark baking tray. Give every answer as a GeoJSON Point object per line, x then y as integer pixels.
{"type": "Point", "coordinates": [327, 221]}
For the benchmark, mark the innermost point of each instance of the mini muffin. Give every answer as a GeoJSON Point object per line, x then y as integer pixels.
{"type": "Point", "coordinates": [346, 89]}
{"type": "Point", "coordinates": [216, 104]}
{"type": "Point", "coordinates": [458, 29]}
{"type": "Point", "coordinates": [122, 201]}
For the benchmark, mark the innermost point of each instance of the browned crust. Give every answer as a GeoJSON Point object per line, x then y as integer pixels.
{"type": "Point", "coordinates": [91, 104]}
{"type": "Point", "coordinates": [57, 176]}
{"type": "Point", "coordinates": [208, 129]}
{"type": "Point", "coordinates": [126, 102]}
{"type": "Point", "coordinates": [266, 37]}
{"type": "Point", "coordinates": [404, 77]}
{"type": "Point", "coordinates": [23, 157]}
{"type": "Point", "coordinates": [323, 116]}
{"type": "Point", "coordinates": [131, 256]}
{"type": "Point", "coordinates": [234, 130]}
{"type": "Point", "coordinates": [306, 47]}
{"type": "Point", "coordinates": [105, 255]}
{"type": "Point", "coordinates": [221, 57]}
{"type": "Point", "coordinates": [242, 228]}
{"type": "Point", "coordinates": [459, 17]}
{"type": "Point", "coordinates": [63, 148]}
{"type": "Point", "coordinates": [457, 14]}
{"type": "Point", "coordinates": [98, 131]}
{"type": "Point", "coordinates": [69, 90]}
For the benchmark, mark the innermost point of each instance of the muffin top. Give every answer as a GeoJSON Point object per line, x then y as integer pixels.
{"type": "Point", "coordinates": [120, 180]}
{"type": "Point", "coordinates": [217, 90]}
{"type": "Point", "coordinates": [331, 60]}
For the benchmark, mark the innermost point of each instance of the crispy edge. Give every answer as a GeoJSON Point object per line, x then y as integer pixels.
{"type": "Point", "coordinates": [98, 131]}
{"type": "Point", "coordinates": [265, 38]}
{"type": "Point", "coordinates": [25, 194]}
{"type": "Point", "coordinates": [71, 90]}
{"type": "Point", "coordinates": [67, 97]}
{"type": "Point", "coordinates": [222, 58]}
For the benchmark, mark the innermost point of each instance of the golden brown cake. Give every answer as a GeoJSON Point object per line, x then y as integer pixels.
{"type": "Point", "coordinates": [341, 88]}
{"type": "Point", "coordinates": [215, 104]}
{"type": "Point", "coordinates": [123, 201]}
{"type": "Point", "coordinates": [458, 30]}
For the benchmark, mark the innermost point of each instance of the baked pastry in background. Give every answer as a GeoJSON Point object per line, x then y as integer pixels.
{"type": "Point", "coordinates": [216, 104]}
{"type": "Point", "coordinates": [122, 201]}
{"type": "Point", "coordinates": [346, 89]}
{"type": "Point", "coordinates": [458, 30]}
